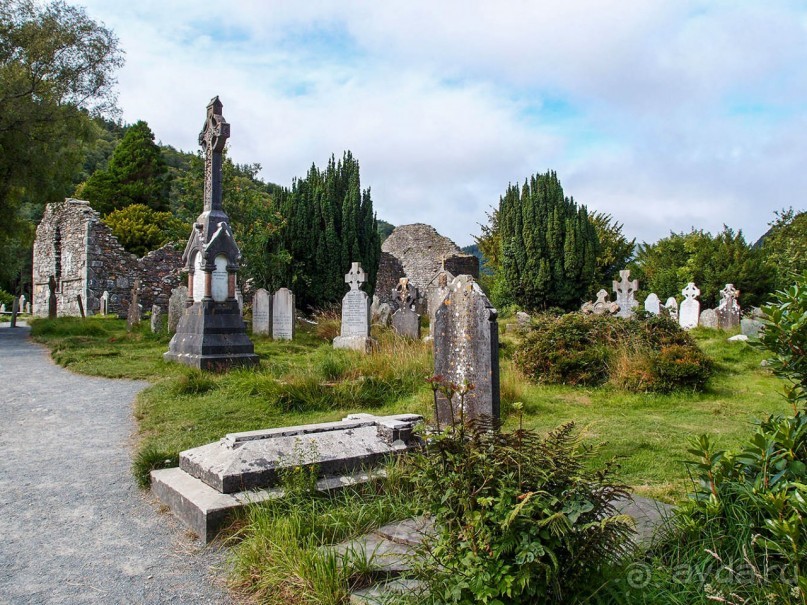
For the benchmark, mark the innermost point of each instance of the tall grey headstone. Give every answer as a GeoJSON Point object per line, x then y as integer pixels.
{"type": "Point", "coordinates": [355, 333]}
{"type": "Point", "coordinates": [625, 290]}
{"type": "Point", "coordinates": [728, 311]}
{"type": "Point", "coordinates": [708, 319]}
{"type": "Point", "coordinates": [466, 351]}
{"type": "Point", "coordinates": [405, 321]}
{"type": "Point", "coordinates": [690, 310]}
{"type": "Point", "coordinates": [262, 312]}
{"type": "Point", "coordinates": [134, 315]}
{"type": "Point", "coordinates": [176, 307]}
{"type": "Point", "coordinates": [156, 319]}
{"type": "Point", "coordinates": [284, 315]}
{"type": "Point", "coordinates": [652, 304]}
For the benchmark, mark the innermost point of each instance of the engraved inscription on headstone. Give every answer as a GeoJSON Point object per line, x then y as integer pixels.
{"type": "Point", "coordinates": [220, 280]}
{"type": "Point", "coordinates": [261, 312]}
{"type": "Point", "coordinates": [355, 333]}
{"type": "Point", "coordinates": [283, 315]}
{"type": "Point", "coordinates": [198, 278]}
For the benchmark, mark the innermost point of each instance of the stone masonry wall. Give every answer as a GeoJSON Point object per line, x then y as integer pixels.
{"type": "Point", "coordinates": [421, 252]}
{"type": "Point", "coordinates": [390, 270]}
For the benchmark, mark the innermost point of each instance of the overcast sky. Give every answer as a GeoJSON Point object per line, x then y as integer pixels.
{"type": "Point", "coordinates": [666, 114]}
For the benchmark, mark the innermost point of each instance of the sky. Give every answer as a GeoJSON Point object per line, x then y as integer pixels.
{"type": "Point", "coordinates": [666, 114]}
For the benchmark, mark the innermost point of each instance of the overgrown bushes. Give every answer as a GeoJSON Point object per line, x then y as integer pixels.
{"type": "Point", "coordinates": [645, 354]}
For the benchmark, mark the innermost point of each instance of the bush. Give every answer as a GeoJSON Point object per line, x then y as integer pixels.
{"type": "Point", "coordinates": [517, 518]}
{"type": "Point", "coordinates": [6, 299]}
{"type": "Point", "coordinates": [642, 354]}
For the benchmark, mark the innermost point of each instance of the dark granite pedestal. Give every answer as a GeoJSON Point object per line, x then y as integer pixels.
{"type": "Point", "coordinates": [211, 336]}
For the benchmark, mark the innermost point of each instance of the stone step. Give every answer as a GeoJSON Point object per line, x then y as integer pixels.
{"type": "Point", "coordinates": [384, 558]}
{"type": "Point", "coordinates": [380, 594]}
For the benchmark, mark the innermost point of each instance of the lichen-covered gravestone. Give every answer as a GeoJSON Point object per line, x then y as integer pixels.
{"type": "Point", "coordinates": [690, 310]}
{"type": "Point", "coordinates": [284, 315]}
{"type": "Point", "coordinates": [466, 351]}
{"type": "Point", "coordinates": [435, 294]}
{"type": "Point", "coordinates": [176, 306]}
{"type": "Point", "coordinates": [728, 312]}
{"type": "Point", "coordinates": [652, 304]}
{"type": "Point", "coordinates": [156, 319]}
{"type": "Point", "coordinates": [405, 321]}
{"type": "Point", "coordinates": [134, 315]}
{"type": "Point", "coordinates": [625, 290]}
{"type": "Point", "coordinates": [708, 319]}
{"type": "Point", "coordinates": [355, 332]}
{"type": "Point", "coordinates": [261, 312]}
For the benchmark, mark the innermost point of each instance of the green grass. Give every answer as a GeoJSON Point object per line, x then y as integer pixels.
{"type": "Point", "coordinates": [308, 381]}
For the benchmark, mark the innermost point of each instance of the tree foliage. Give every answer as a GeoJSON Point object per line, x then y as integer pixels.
{"type": "Point", "coordinates": [711, 261]}
{"type": "Point", "coordinates": [614, 252]}
{"type": "Point", "coordinates": [136, 174]}
{"type": "Point", "coordinates": [56, 67]}
{"type": "Point", "coordinates": [140, 229]}
{"type": "Point", "coordinates": [785, 246]}
{"type": "Point", "coordinates": [330, 224]}
{"type": "Point", "coordinates": [548, 245]}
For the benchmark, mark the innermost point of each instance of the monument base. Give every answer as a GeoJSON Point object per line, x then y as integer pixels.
{"type": "Point", "coordinates": [363, 344]}
{"type": "Point", "coordinates": [211, 336]}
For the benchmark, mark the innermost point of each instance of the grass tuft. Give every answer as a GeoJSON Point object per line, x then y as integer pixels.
{"type": "Point", "coordinates": [149, 459]}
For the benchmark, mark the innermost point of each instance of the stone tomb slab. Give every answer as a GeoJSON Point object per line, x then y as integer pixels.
{"type": "Point", "coordinates": [253, 460]}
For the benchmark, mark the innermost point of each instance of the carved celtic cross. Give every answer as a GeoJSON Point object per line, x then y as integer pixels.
{"type": "Point", "coordinates": [213, 137]}
{"type": "Point", "coordinates": [356, 276]}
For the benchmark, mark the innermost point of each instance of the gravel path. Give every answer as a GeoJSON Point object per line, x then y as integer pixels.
{"type": "Point", "coordinates": [74, 528]}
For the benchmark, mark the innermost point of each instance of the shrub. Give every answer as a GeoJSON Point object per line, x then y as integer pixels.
{"type": "Point", "coordinates": [6, 299]}
{"type": "Point", "coordinates": [642, 354]}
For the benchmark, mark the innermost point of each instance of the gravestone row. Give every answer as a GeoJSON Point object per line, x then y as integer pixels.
{"type": "Point", "coordinates": [274, 315]}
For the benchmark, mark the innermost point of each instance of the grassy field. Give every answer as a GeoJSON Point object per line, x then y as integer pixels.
{"type": "Point", "coordinates": [308, 381]}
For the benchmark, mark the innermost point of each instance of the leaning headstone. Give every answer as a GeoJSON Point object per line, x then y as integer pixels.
{"type": "Point", "coordinates": [355, 332]}
{"type": "Point", "coordinates": [708, 319]}
{"type": "Point", "coordinates": [652, 304]}
{"type": "Point", "coordinates": [689, 313]}
{"type": "Point", "coordinates": [466, 351]}
{"type": "Point", "coordinates": [105, 303]}
{"type": "Point", "coordinates": [284, 315]}
{"type": "Point", "coordinates": [52, 297]}
{"type": "Point", "coordinates": [176, 306]}
{"type": "Point", "coordinates": [672, 308]}
{"type": "Point", "coordinates": [261, 312]}
{"type": "Point", "coordinates": [751, 327]}
{"type": "Point", "coordinates": [603, 306]}
{"type": "Point", "coordinates": [156, 319]}
{"type": "Point", "coordinates": [625, 290]}
{"type": "Point", "coordinates": [728, 312]}
{"type": "Point", "coordinates": [133, 316]}
{"type": "Point", "coordinates": [405, 321]}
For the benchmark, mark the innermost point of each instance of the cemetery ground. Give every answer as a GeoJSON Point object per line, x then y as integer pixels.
{"type": "Point", "coordinates": [306, 380]}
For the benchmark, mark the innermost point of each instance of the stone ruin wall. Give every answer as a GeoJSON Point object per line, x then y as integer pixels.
{"type": "Point", "coordinates": [420, 252]}
{"type": "Point", "coordinates": [92, 261]}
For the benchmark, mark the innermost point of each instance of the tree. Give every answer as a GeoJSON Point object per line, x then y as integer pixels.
{"type": "Point", "coordinates": [140, 229]}
{"type": "Point", "coordinates": [136, 174]}
{"type": "Point", "coordinates": [614, 252]}
{"type": "Point", "coordinates": [785, 246]}
{"type": "Point", "coordinates": [56, 68]}
{"type": "Point", "coordinates": [547, 245]}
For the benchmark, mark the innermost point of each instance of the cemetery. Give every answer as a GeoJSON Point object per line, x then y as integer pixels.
{"type": "Point", "coordinates": [290, 400]}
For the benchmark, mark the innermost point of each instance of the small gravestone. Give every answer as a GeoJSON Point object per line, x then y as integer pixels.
{"type": "Point", "coordinates": [284, 315]}
{"type": "Point", "coordinates": [380, 312]}
{"type": "Point", "coordinates": [672, 308]}
{"type": "Point", "coordinates": [405, 321]}
{"type": "Point", "coordinates": [156, 319]}
{"type": "Point", "coordinates": [261, 312]}
{"type": "Point", "coordinates": [708, 319]}
{"type": "Point", "coordinates": [355, 333]}
{"type": "Point", "coordinates": [52, 297]}
{"type": "Point", "coordinates": [104, 303]}
{"type": "Point", "coordinates": [28, 308]}
{"type": "Point", "coordinates": [751, 327]}
{"type": "Point", "coordinates": [176, 306]}
{"type": "Point", "coordinates": [466, 351]}
{"type": "Point", "coordinates": [603, 306]}
{"type": "Point", "coordinates": [652, 304]}
{"type": "Point", "coordinates": [133, 316]}
{"type": "Point", "coordinates": [2, 308]}
{"type": "Point", "coordinates": [689, 313]}
{"type": "Point", "coordinates": [22, 303]}
{"type": "Point", "coordinates": [625, 290]}
{"type": "Point", "coordinates": [728, 311]}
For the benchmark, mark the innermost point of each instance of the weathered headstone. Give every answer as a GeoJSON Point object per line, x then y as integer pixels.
{"type": "Point", "coordinates": [690, 310]}
{"type": "Point", "coordinates": [603, 306]}
{"type": "Point", "coordinates": [466, 351]}
{"type": "Point", "coordinates": [52, 298]}
{"type": "Point", "coordinates": [176, 307]}
{"type": "Point", "coordinates": [104, 303]}
{"type": "Point", "coordinates": [380, 312]}
{"type": "Point", "coordinates": [625, 290]}
{"type": "Point", "coordinates": [284, 315]}
{"type": "Point", "coordinates": [728, 311]}
{"type": "Point", "coordinates": [708, 319]}
{"type": "Point", "coordinates": [261, 312]}
{"type": "Point", "coordinates": [156, 319]}
{"type": "Point", "coordinates": [672, 308]}
{"type": "Point", "coordinates": [355, 333]}
{"type": "Point", "coordinates": [405, 321]}
{"type": "Point", "coordinates": [15, 308]}
{"type": "Point", "coordinates": [133, 316]}
{"type": "Point", "coordinates": [652, 304]}
{"type": "Point", "coordinates": [211, 334]}
{"type": "Point", "coordinates": [435, 294]}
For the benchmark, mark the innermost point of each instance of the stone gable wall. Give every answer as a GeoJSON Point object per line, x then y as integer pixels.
{"type": "Point", "coordinates": [420, 250]}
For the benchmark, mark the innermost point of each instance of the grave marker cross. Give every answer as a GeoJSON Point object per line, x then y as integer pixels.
{"type": "Point", "coordinates": [356, 276]}
{"type": "Point", "coordinates": [213, 137]}
{"type": "Point", "coordinates": [691, 291]}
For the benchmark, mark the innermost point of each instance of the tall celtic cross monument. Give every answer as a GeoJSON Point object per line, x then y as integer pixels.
{"type": "Point", "coordinates": [210, 334]}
